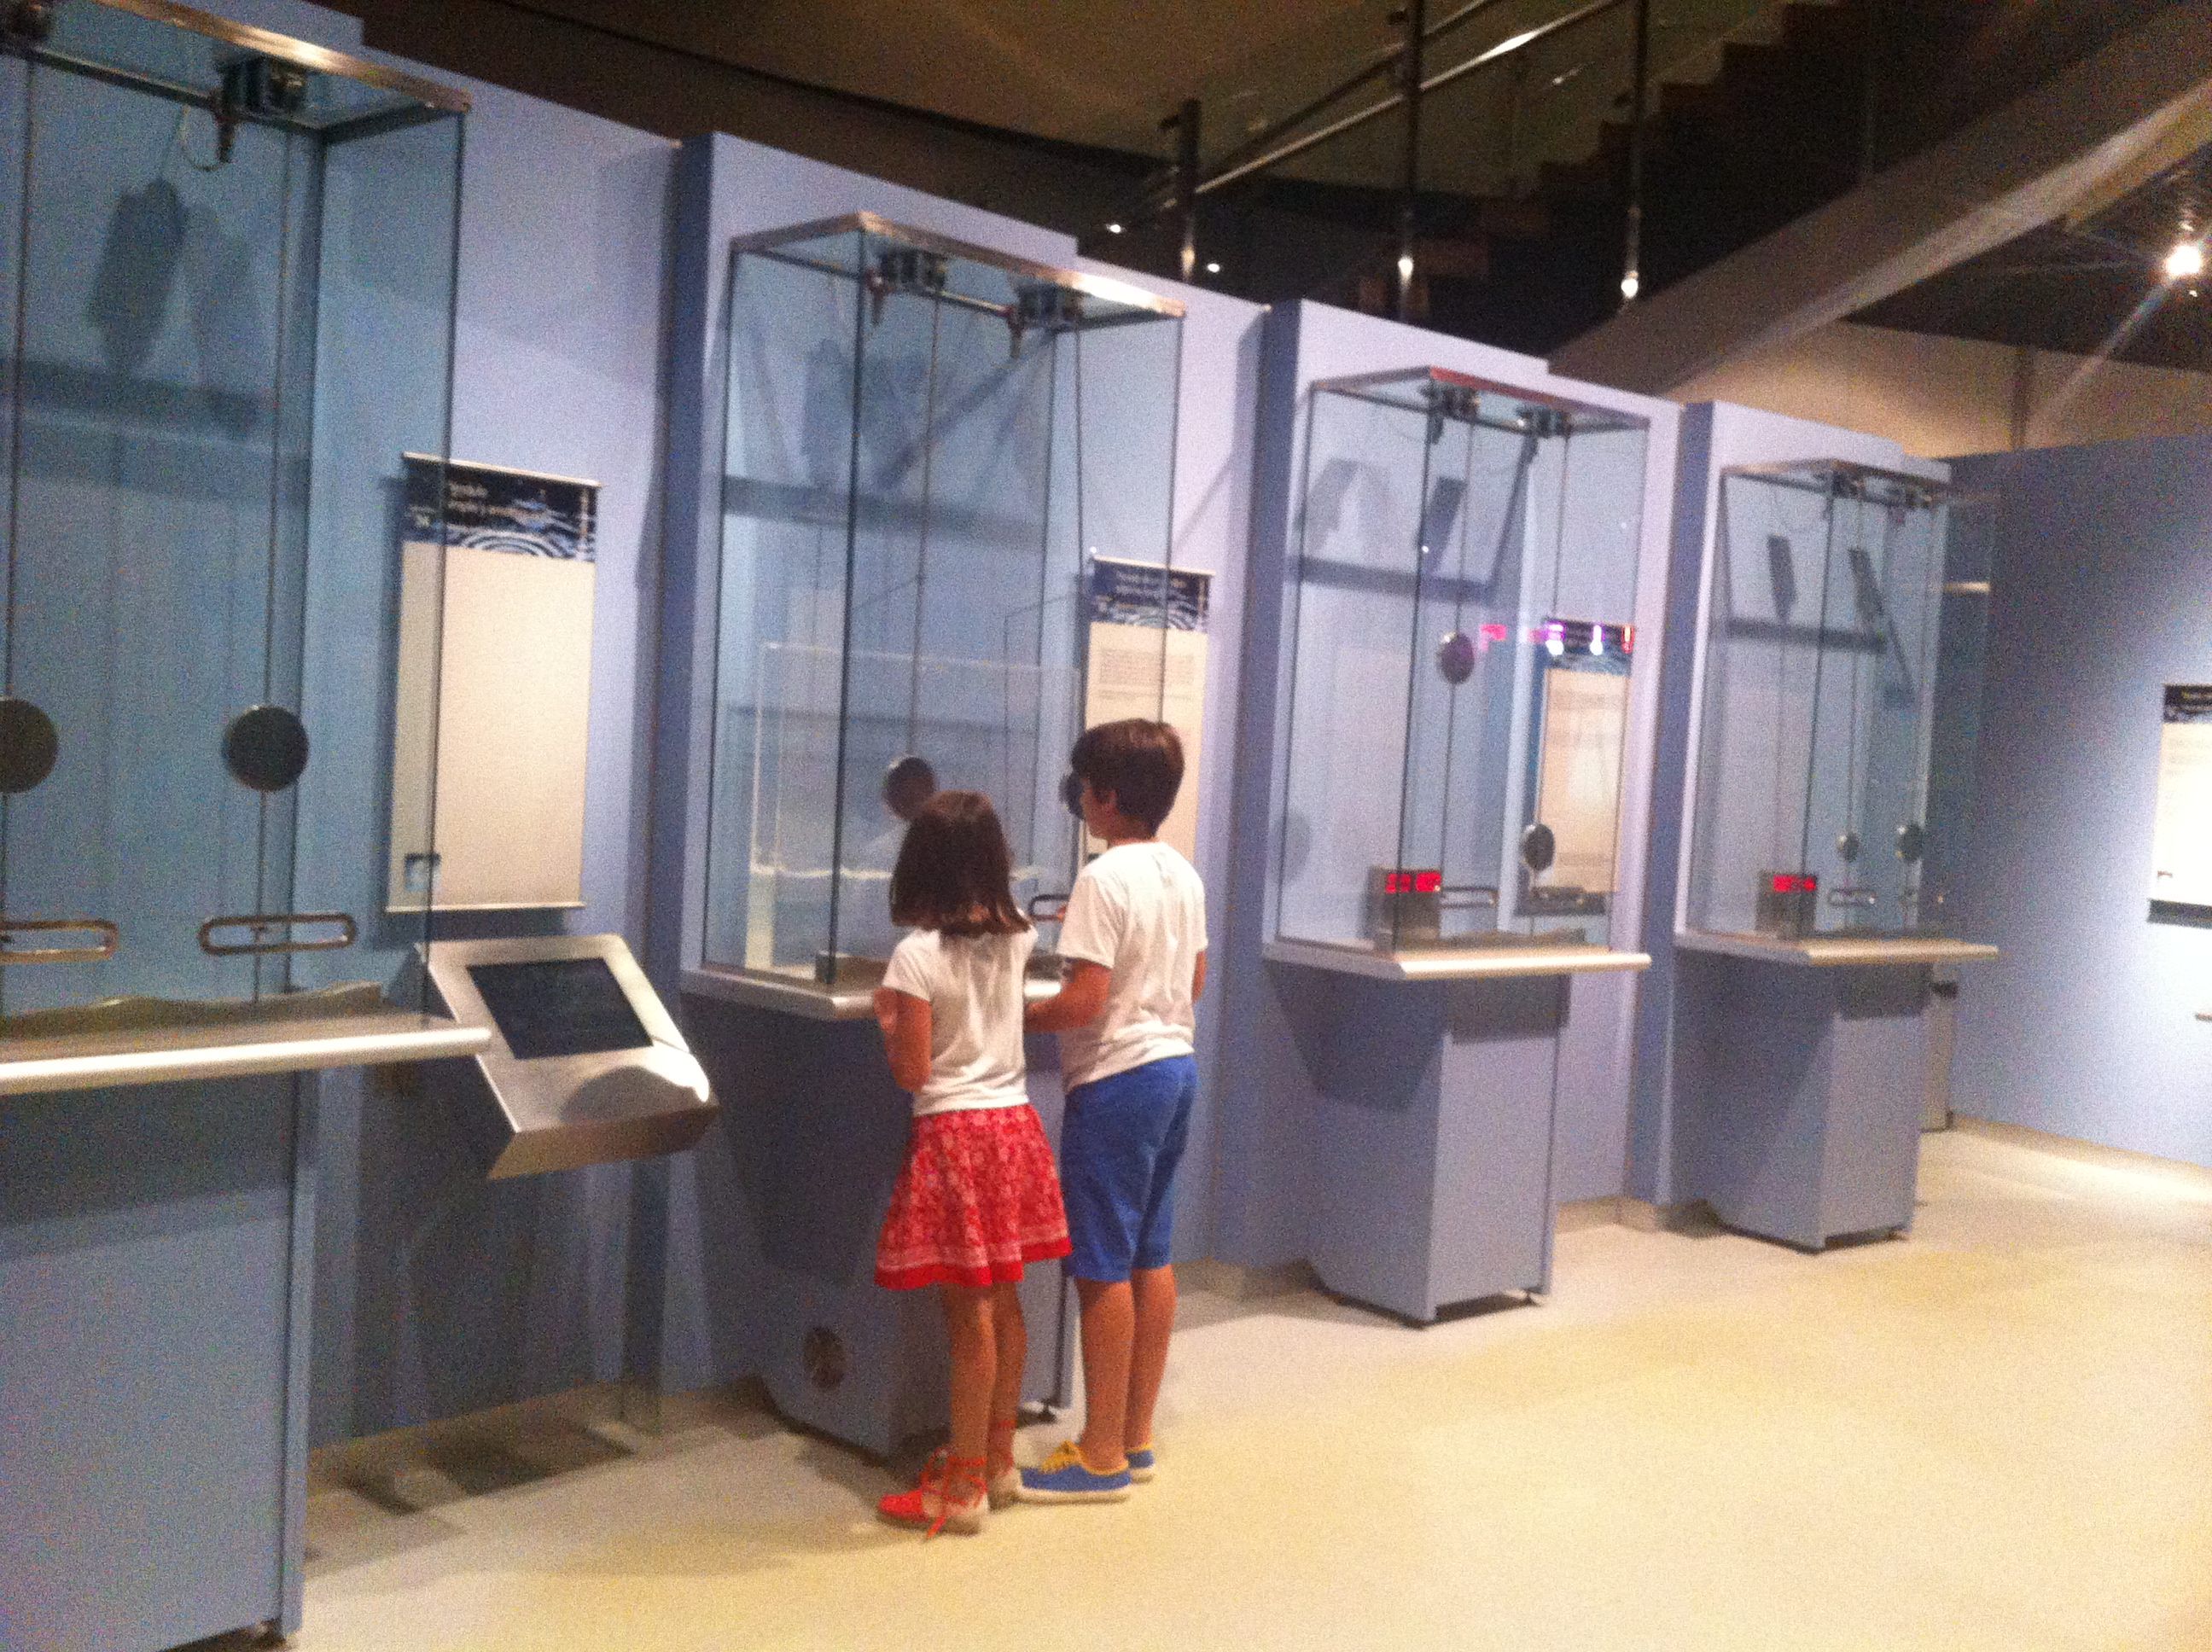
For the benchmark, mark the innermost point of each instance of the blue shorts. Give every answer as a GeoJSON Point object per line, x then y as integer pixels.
{"type": "Point", "coordinates": [1120, 1142]}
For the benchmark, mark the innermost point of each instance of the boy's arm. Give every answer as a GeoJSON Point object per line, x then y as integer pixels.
{"type": "Point", "coordinates": [1198, 978]}
{"type": "Point", "coordinates": [905, 1020]}
{"type": "Point", "coordinates": [1080, 1001]}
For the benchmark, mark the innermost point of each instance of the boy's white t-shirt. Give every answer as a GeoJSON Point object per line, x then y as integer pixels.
{"type": "Point", "coordinates": [1138, 909]}
{"type": "Point", "coordinates": [973, 986]}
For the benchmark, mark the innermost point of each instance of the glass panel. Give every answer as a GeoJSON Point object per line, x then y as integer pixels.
{"type": "Point", "coordinates": [787, 532]}
{"type": "Point", "coordinates": [384, 377]}
{"type": "Point", "coordinates": [903, 561]}
{"type": "Point", "coordinates": [1866, 830]}
{"type": "Point", "coordinates": [1821, 714]}
{"type": "Point", "coordinates": [1475, 553]}
{"type": "Point", "coordinates": [215, 654]}
{"type": "Point", "coordinates": [1367, 473]}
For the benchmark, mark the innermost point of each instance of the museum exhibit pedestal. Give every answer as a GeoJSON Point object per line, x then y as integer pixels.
{"type": "Point", "coordinates": [809, 1180]}
{"type": "Point", "coordinates": [1800, 1086]}
{"type": "Point", "coordinates": [1432, 1111]}
{"type": "Point", "coordinates": [155, 1266]}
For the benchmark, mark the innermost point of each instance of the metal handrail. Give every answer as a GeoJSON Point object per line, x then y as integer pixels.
{"type": "Point", "coordinates": [1344, 89]}
{"type": "Point", "coordinates": [1497, 53]}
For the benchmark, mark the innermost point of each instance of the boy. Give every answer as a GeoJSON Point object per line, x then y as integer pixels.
{"type": "Point", "coordinates": [1134, 941]}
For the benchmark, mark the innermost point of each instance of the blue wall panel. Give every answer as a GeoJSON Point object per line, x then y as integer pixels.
{"type": "Point", "coordinates": [2086, 1026]}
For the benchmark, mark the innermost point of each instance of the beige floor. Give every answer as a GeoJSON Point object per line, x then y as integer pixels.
{"type": "Point", "coordinates": [1996, 1435]}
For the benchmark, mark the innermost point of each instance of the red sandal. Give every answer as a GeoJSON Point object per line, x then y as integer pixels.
{"type": "Point", "coordinates": [950, 1497]}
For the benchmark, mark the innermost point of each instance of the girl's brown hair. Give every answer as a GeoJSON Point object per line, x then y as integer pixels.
{"type": "Point", "coordinates": [954, 872]}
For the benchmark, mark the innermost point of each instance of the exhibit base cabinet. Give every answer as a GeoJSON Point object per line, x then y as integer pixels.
{"type": "Point", "coordinates": [1800, 1095]}
{"type": "Point", "coordinates": [155, 1263]}
{"type": "Point", "coordinates": [811, 1136]}
{"type": "Point", "coordinates": [1432, 1112]}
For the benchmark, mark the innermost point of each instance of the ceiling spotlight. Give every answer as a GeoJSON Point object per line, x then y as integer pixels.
{"type": "Point", "coordinates": [1112, 229]}
{"type": "Point", "coordinates": [1630, 285]}
{"type": "Point", "coordinates": [1405, 268]}
{"type": "Point", "coordinates": [1212, 268]}
{"type": "Point", "coordinates": [2186, 262]}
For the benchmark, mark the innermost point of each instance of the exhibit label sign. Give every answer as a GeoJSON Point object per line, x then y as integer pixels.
{"type": "Point", "coordinates": [1148, 659]}
{"type": "Point", "coordinates": [498, 581]}
{"type": "Point", "coordinates": [2181, 842]}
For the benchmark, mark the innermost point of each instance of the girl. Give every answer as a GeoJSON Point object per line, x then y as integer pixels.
{"type": "Point", "coordinates": [977, 1199]}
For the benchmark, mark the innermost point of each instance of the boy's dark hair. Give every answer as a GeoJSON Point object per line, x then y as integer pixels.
{"type": "Point", "coordinates": [954, 873]}
{"type": "Point", "coordinates": [1138, 761]}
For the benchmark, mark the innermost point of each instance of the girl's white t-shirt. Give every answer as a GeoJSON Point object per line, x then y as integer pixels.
{"type": "Point", "coordinates": [973, 986]}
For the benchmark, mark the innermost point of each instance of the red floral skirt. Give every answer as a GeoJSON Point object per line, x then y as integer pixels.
{"type": "Point", "coordinates": [977, 1202]}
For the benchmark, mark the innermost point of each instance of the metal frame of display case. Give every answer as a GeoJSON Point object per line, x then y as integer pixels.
{"type": "Point", "coordinates": [1500, 955]}
{"type": "Point", "coordinates": [849, 996]}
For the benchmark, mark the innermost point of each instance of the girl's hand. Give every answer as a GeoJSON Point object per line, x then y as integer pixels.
{"type": "Point", "coordinates": [905, 1023]}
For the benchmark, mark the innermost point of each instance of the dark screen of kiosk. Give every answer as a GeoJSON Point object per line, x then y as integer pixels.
{"type": "Point", "coordinates": [561, 1006]}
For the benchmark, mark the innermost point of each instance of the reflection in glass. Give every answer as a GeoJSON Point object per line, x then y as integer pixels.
{"type": "Point", "coordinates": [928, 444]}
{"type": "Point", "coordinates": [1837, 659]}
{"type": "Point", "coordinates": [1460, 654]}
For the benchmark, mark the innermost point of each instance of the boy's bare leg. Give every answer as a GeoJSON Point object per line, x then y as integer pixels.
{"type": "Point", "coordinates": [1011, 1332]}
{"type": "Point", "coordinates": [968, 1322]}
{"type": "Point", "coordinates": [1153, 1292]}
{"type": "Point", "coordinates": [1109, 1328]}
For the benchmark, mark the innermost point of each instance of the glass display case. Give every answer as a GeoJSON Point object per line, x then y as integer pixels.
{"type": "Point", "coordinates": [227, 264]}
{"type": "Point", "coordinates": [928, 444]}
{"type": "Point", "coordinates": [1460, 646]}
{"type": "Point", "coordinates": [1841, 681]}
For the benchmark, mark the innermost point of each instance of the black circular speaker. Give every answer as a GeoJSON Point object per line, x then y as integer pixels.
{"type": "Point", "coordinates": [1847, 846]}
{"type": "Point", "coordinates": [266, 748]}
{"type": "Point", "coordinates": [1912, 841]}
{"type": "Point", "coordinates": [908, 784]}
{"type": "Point", "coordinates": [1539, 846]}
{"type": "Point", "coordinates": [28, 746]}
{"type": "Point", "coordinates": [1455, 658]}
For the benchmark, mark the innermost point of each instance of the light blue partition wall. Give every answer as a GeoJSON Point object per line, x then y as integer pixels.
{"type": "Point", "coordinates": [1786, 1097]}
{"type": "Point", "coordinates": [1347, 1105]}
{"type": "Point", "coordinates": [2088, 1025]}
{"type": "Point", "coordinates": [767, 1232]}
{"type": "Point", "coordinates": [438, 1292]}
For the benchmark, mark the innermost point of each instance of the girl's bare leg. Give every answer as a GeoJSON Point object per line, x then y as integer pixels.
{"type": "Point", "coordinates": [968, 1324]}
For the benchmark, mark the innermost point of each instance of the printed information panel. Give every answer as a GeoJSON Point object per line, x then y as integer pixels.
{"type": "Point", "coordinates": [2181, 842]}
{"type": "Point", "coordinates": [1148, 659]}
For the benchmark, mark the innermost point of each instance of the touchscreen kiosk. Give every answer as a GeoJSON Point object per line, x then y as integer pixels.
{"type": "Point", "coordinates": [584, 1065]}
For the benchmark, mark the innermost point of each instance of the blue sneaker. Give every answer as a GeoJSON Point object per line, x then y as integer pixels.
{"type": "Point", "coordinates": [1141, 1464]}
{"type": "Point", "coordinates": [1062, 1478]}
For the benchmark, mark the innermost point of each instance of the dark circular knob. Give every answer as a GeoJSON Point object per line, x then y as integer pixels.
{"type": "Point", "coordinates": [1539, 846]}
{"type": "Point", "coordinates": [1455, 658]}
{"type": "Point", "coordinates": [1847, 846]}
{"type": "Point", "coordinates": [1912, 842]}
{"type": "Point", "coordinates": [908, 784]}
{"type": "Point", "coordinates": [266, 748]}
{"type": "Point", "coordinates": [28, 746]}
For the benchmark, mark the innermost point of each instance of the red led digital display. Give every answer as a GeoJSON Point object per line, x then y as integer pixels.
{"type": "Point", "coordinates": [1413, 883]}
{"type": "Point", "coordinates": [1801, 883]}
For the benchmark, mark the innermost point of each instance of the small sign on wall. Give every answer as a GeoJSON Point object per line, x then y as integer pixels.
{"type": "Point", "coordinates": [2181, 842]}
{"type": "Point", "coordinates": [503, 640]}
{"type": "Point", "coordinates": [1148, 659]}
